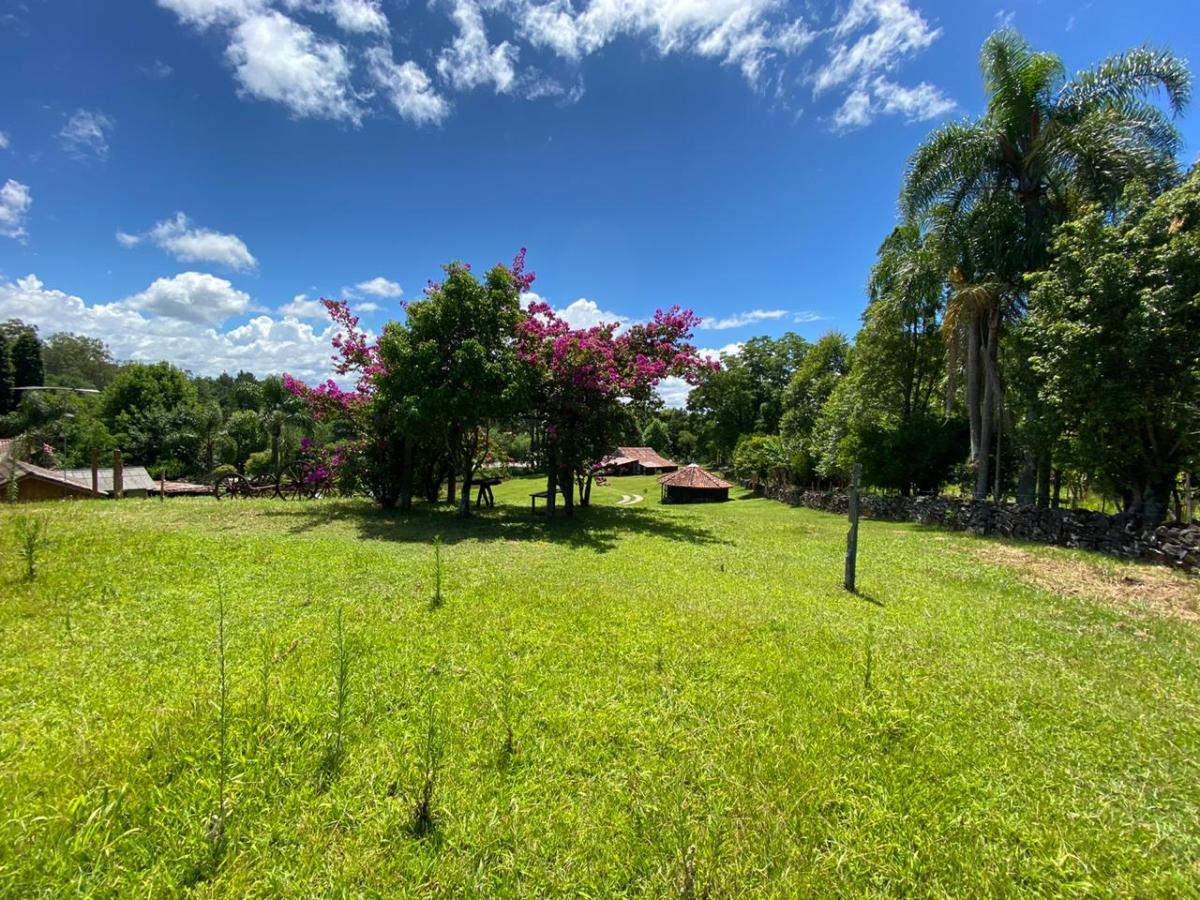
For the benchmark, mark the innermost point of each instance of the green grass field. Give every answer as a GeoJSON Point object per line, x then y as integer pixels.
{"type": "Point", "coordinates": [644, 701]}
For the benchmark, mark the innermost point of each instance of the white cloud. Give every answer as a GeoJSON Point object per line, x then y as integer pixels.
{"type": "Point", "coordinates": [744, 33]}
{"type": "Point", "coordinates": [359, 16]}
{"type": "Point", "coordinates": [367, 307]}
{"type": "Point", "coordinates": [806, 316]}
{"type": "Point", "coordinates": [275, 58]}
{"type": "Point", "coordinates": [15, 200]}
{"type": "Point", "coordinates": [3, 141]}
{"type": "Point", "coordinates": [585, 313]}
{"type": "Point", "coordinates": [674, 390]}
{"type": "Point", "coordinates": [855, 111]}
{"type": "Point", "coordinates": [191, 297]}
{"type": "Point", "coordinates": [376, 287]}
{"type": "Point", "coordinates": [282, 59]}
{"type": "Point", "coordinates": [916, 104]}
{"type": "Point", "coordinates": [407, 87]}
{"type": "Point", "coordinates": [205, 13]}
{"type": "Point", "coordinates": [187, 243]}
{"type": "Point", "coordinates": [263, 345]}
{"type": "Point", "coordinates": [743, 318]}
{"type": "Point", "coordinates": [86, 132]}
{"type": "Point", "coordinates": [470, 61]}
{"type": "Point", "coordinates": [304, 307]}
{"type": "Point", "coordinates": [894, 30]}
{"type": "Point", "coordinates": [157, 70]}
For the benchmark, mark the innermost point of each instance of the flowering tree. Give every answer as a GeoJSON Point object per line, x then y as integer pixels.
{"type": "Point", "coordinates": [586, 382]}
{"type": "Point", "coordinates": [451, 369]}
{"type": "Point", "coordinates": [375, 449]}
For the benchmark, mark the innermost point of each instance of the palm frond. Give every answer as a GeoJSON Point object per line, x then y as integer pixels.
{"type": "Point", "coordinates": [951, 163]}
{"type": "Point", "coordinates": [1134, 74]}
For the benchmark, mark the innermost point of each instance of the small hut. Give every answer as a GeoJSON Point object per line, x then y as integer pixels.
{"type": "Point", "coordinates": [692, 484]}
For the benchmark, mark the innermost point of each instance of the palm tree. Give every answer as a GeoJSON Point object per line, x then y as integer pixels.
{"type": "Point", "coordinates": [1045, 146]}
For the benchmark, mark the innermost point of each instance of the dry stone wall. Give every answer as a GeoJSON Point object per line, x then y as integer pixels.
{"type": "Point", "coordinates": [1121, 535]}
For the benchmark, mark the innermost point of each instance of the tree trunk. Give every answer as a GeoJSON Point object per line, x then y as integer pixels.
{"type": "Point", "coordinates": [1056, 496]}
{"type": "Point", "coordinates": [551, 485]}
{"type": "Point", "coordinates": [406, 474]}
{"type": "Point", "coordinates": [1044, 472]}
{"type": "Point", "coordinates": [1027, 482]}
{"type": "Point", "coordinates": [971, 390]}
{"type": "Point", "coordinates": [464, 506]}
{"type": "Point", "coordinates": [567, 479]}
{"type": "Point", "coordinates": [451, 488]}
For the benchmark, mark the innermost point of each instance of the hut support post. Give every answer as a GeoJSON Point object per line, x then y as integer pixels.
{"type": "Point", "coordinates": [118, 476]}
{"type": "Point", "coordinates": [852, 535]}
{"type": "Point", "coordinates": [95, 472]}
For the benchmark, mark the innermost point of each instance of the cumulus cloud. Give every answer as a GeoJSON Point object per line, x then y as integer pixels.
{"type": "Point", "coordinates": [470, 61]}
{"type": "Point", "coordinates": [304, 307]}
{"type": "Point", "coordinates": [743, 318]}
{"type": "Point", "coordinates": [674, 391]}
{"type": "Point", "coordinates": [407, 88]}
{"type": "Point", "coordinates": [276, 58]}
{"type": "Point", "coordinates": [15, 200]}
{"type": "Point", "coordinates": [376, 287]}
{"type": "Point", "coordinates": [188, 243]}
{"type": "Point", "coordinates": [191, 297]}
{"type": "Point", "coordinates": [263, 345]}
{"type": "Point", "coordinates": [359, 16]}
{"type": "Point", "coordinates": [282, 59]}
{"type": "Point", "coordinates": [367, 307]}
{"type": "Point", "coordinates": [86, 134]}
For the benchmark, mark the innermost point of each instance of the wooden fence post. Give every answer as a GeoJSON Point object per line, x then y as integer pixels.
{"type": "Point", "coordinates": [95, 472]}
{"type": "Point", "coordinates": [118, 476]}
{"type": "Point", "coordinates": [852, 535]}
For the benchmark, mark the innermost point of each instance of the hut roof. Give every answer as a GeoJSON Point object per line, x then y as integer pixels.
{"type": "Point", "coordinates": [646, 456]}
{"type": "Point", "coordinates": [133, 478]}
{"type": "Point", "coordinates": [696, 478]}
{"type": "Point", "coordinates": [53, 476]}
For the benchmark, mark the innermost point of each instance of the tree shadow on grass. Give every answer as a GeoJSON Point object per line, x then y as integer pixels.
{"type": "Point", "coordinates": [597, 528]}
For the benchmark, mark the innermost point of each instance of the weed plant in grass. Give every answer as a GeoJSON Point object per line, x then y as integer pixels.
{"type": "Point", "coordinates": [644, 701]}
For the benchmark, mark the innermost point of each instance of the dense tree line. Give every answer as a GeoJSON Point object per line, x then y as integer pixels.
{"type": "Point", "coordinates": [1032, 320]}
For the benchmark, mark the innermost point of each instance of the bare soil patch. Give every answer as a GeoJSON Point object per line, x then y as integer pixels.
{"type": "Point", "coordinates": [1137, 588]}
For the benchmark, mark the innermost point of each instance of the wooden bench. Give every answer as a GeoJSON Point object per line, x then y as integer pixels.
{"type": "Point", "coordinates": [539, 495]}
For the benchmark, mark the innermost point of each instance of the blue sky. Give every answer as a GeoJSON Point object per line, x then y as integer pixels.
{"type": "Point", "coordinates": [183, 177]}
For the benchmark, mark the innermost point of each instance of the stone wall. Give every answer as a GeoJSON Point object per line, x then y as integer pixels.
{"type": "Point", "coordinates": [1119, 535]}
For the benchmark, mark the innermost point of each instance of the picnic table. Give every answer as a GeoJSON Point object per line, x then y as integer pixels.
{"type": "Point", "coordinates": [485, 494]}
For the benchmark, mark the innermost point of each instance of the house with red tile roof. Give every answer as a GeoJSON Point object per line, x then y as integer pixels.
{"type": "Point", "coordinates": [636, 461]}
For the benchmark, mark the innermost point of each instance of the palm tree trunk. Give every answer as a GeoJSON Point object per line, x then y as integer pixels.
{"type": "Point", "coordinates": [971, 390]}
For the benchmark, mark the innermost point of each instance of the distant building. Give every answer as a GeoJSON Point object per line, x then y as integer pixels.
{"type": "Point", "coordinates": [38, 483]}
{"type": "Point", "coordinates": [693, 484]}
{"type": "Point", "coordinates": [636, 461]}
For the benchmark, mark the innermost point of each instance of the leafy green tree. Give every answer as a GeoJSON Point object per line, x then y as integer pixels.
{"type": "Point", "coordinates": [148, 409]}
{"type": "Point", "coordinates": [1113, 323]}
{"type": "Point", "coordinates": [75, 360]}
{"type": "Point", "coordinates": [244, 436]}
{"type": "Point", "coordinates": [26, 356]}
{"type": "Point", "coordinates": [999, 185]}
{"type": "Point", "coordinates": [757, 456]}
{"type": "Point", "coordinates": [451, 370]}
{"type": "Point", "coordinates": [7, 401]}
{"type": "Point", "coordinates": [810, 387]}
{"type": "Point", "coordinates": [656, 435]}
{"type": "Point", "coordinates": [746, 396]}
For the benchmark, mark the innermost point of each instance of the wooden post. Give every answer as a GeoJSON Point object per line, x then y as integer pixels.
{"type": "Point", "coordinates": [852, 535]}
{"type": "Point", "coordinates": [162, 485]}
{"type": "Point", "coordinates": [118, 476]}
{"type": "Point", "coordinates": [95, 472]}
